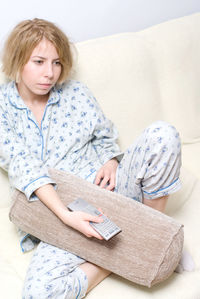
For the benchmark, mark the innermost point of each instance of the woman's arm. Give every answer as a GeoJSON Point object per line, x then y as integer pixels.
{"type": "Point", "coordinates": [77, 220]}
{"type": "Point", "coordinates": [104, 133]}
{"type": "Point", "coordinates": [104, 142]}
{"type": "Point", "coordinates": [26, 172]}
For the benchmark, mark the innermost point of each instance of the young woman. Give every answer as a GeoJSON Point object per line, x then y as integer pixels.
{"type": "Point", "coordinates": [47, 121]}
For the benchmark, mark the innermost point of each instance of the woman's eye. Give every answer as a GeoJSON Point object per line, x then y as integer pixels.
{"type": "Point", "coordinates": [38, 61]}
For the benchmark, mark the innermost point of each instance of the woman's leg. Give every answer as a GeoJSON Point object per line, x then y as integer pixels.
{"type": "Point", "coordinates": [54, 273]}
{"type": "Point", "coordinates": [158, 204]}
{"type": "Point", "coordinates": [95, 274]}
{"type": "Point", "coordinates": [149, 172]}
{"type": "Point", "coordinates": [150, 168]}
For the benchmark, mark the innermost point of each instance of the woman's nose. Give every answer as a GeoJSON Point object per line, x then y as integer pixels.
{"type": "Point", "coordinates": [49, 71]}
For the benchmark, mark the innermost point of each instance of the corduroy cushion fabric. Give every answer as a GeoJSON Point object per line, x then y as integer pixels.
{"type": "Point", "coordinates": [146, 251]}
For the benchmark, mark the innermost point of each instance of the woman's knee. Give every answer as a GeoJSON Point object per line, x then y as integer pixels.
{"type": "Point", "coordinates": [163, 134]}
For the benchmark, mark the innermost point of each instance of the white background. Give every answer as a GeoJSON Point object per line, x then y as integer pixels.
{"type": "Point", "coordinates": [85, 19]}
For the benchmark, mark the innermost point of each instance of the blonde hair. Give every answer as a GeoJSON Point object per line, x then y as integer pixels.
{"type": "Point", "coordinates": [25, 37]}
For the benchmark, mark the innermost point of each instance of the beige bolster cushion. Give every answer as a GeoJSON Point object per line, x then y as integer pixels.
{"type": "Point", "coordinates": [146, 251]}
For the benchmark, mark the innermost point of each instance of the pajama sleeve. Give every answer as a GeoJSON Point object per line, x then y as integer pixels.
{"type": "Point", "coordinates": [26, 172]}
{"type": "Point", "coordinates": [105, 134]}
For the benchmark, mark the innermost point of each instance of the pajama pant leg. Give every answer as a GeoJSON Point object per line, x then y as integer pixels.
{"type": "Point", "coordinates": [54, 273]}
{"type": "Point", "coordinates": [150, 168]}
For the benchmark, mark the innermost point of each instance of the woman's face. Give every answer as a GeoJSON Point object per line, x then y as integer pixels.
{"type": "Point", "coordinates": [41, 72]}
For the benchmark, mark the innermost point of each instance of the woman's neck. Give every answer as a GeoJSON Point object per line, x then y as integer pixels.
{"type": "Point", "coordinates": [36, 103]}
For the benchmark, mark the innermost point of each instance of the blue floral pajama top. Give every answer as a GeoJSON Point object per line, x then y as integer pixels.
{"type": "Point", "coordinates": [74, 136]}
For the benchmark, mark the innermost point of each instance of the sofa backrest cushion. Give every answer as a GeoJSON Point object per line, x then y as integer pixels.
{"type": "Point", "coordinates": [176, 49]}
{"type": "Point", "coordinates": [146, 76]}
{"type": "Point", "coordinates": [121, 72]}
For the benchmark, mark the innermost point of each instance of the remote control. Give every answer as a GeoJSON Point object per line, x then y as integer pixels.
{"type": "Point", "coordinates": [107, 229]}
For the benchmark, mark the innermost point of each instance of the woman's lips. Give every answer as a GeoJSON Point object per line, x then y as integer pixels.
{"type": "Point", "coordinates": [45, 85]}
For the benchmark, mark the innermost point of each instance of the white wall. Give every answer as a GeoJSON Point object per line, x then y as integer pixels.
{"type": "Point", "coordinates": [85, 19]}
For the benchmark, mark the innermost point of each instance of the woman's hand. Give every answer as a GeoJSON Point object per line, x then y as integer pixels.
{"type": "Point", "coordinates": [80, 221]}
{"type": "Point", "coordinates": [77, 220]}
{"type": "Point", "coordinates": [107, 175]}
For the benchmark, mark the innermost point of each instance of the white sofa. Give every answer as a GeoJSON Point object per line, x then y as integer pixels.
{"type": "Point", "coordinates": [137, 78]}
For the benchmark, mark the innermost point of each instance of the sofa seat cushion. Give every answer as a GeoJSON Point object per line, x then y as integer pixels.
{"type": "Point", "coordinates": [11, 283]}
{"type": "Point", "coordinates": [115, 287]}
